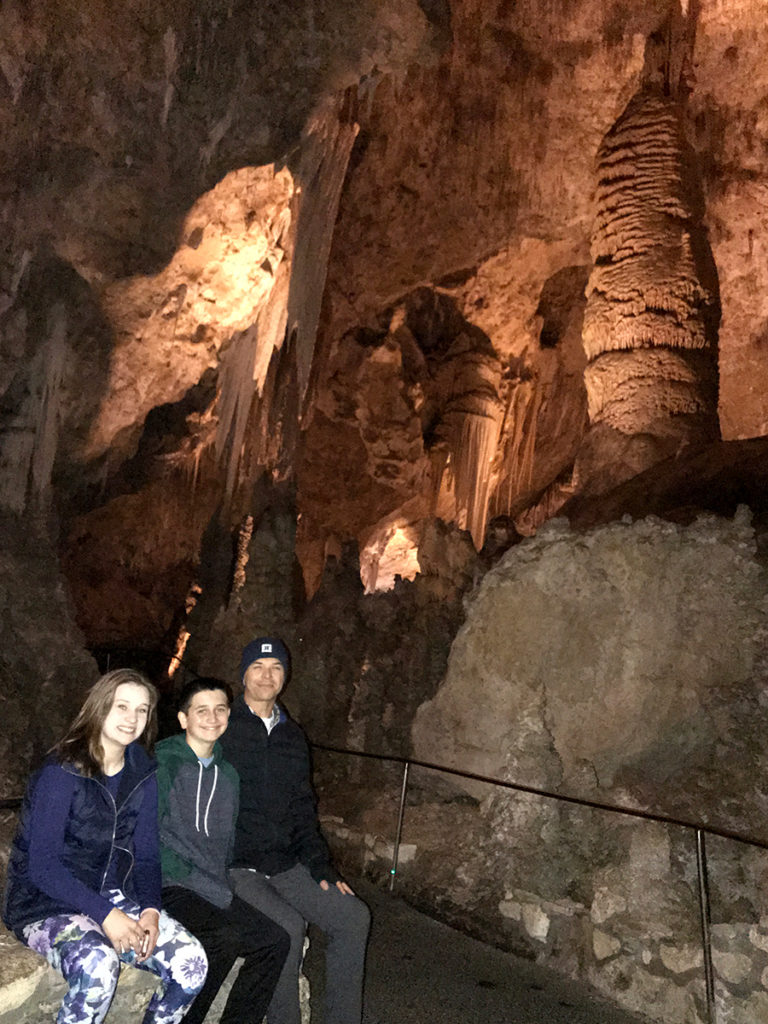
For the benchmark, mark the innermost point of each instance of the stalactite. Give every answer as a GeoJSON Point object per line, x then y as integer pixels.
{"type": "Point", "coordinates": [30, 439]}
{"type": "Point", "coordinates": [472, 468]}
{"type": "Point", "coordinates": [292, 307]}
{"type": "Point", "coordinates": [243, 371]}
{"type": "Point", "coordinates": [469, 430]}
{"type": "Point", "coordinates": [326, 149]}
{"type": "Point", "coordinates": [519, 432]}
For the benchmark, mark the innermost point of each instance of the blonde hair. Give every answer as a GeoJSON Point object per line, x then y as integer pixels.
{"type": "Point", "coordinates": [81, 745]}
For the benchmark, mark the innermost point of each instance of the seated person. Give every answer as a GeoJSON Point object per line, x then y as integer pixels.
{"type": "Point", "coordinates": [281, 862]}
{"type": "Point", "coordinates": [198, 802]}
{"type": "Point", "coordinates": [83, 885]}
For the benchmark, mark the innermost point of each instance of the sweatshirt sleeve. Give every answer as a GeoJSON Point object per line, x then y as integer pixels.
{"type": "Point", "coordinates": [146, 850]}
{"type": "Point", "coordinates": [309, 842]}
{"type": "Point", "coordinates": [50, 808]}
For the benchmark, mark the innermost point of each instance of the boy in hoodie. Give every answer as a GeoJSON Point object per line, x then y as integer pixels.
{"type": "Point", "coordinates": [198, 800]}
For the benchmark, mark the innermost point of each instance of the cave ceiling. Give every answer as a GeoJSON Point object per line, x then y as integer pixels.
{"type": "Point", "coordinates": [383, 262]}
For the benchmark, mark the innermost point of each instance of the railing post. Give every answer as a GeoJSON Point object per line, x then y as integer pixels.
{"type": "Point", "coordinates": [706, 937]}
{"type": "Point", "coordinates": [401, 813]}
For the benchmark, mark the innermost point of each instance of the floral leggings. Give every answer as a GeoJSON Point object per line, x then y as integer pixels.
{"type": "Point", "coordinates": [76, 945]}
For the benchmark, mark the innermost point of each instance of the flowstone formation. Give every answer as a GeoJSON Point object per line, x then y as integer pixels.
{"type": "Point", "coordinates": [626, 665]}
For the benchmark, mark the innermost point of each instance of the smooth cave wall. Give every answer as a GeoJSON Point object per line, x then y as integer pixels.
{"type": "Point", "coordinates": [430, 335]}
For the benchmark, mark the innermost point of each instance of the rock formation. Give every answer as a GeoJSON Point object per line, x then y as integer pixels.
{"type": "Point", "coordinates": [618, 665]}
{"type": "Point", "coordinates": [308, 313]}
{"type": "Point", "coordinates": [650, 323]}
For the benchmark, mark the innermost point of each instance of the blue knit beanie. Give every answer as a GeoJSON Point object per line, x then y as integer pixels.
{"type": "Point", "coordinates": [264, 647]}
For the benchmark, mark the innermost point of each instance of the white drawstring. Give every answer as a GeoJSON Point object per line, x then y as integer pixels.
{"type": "Point", "coordinates": [213, 790]}
{"type": "Point", "coordinates": [210, 798]}
{"type": "Point", "coordinates": [197, 801]}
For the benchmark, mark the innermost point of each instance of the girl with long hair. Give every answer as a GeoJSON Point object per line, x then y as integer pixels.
{"type": "Point", "coordinates": [83, 885]}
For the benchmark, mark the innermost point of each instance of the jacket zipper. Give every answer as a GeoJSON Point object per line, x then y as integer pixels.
{"type": "Point", "coordinates": [112, 845]}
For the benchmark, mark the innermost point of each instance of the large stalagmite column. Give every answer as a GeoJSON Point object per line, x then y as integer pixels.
{"type": "Point", "coordinates": [652, 313]}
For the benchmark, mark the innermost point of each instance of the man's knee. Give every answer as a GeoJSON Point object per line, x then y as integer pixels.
{"type": "Point", "coordinates": [352, 920]}
{"type": "Point", "coordinates": [359, 917]}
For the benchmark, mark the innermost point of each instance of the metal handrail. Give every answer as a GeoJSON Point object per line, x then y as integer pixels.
{"type": "Point", "coordinates": [635, 812]}
{"type": "Point", "coordinates": [700, 830]}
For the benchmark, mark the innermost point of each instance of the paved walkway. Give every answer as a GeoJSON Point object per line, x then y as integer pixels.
{"type": "Point", "coordinates": [423, 972]}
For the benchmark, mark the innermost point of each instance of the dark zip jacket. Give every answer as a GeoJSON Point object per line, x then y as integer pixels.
{"type": "Point", "coordinates": [74, 839]}
{"type": "Point", "coordinates": [197, 811]}
{"type": "Point", "coordinates": [277, 826]}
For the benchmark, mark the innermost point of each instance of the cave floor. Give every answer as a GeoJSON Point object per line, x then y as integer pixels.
{"type": "Point", "coordinates": [420, 970]}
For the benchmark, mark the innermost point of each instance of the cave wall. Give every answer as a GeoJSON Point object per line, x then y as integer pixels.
{"type": "Point", "coordinates": [156, 259]}
{"type": "Point", "coordinates": [519, 108]}
{"type": "Point", "coordinates": [289, 294]}
{"type": "Point", "coordinates": [44, 667]}
{"type": "Point", "coordinates": [625, 665]}
{"type": "Point", "coordinates": [156, 160]}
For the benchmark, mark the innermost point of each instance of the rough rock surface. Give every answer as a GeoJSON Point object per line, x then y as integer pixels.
{"type": "Point", "coordinates": [624, 665]}
{"type": "Point", "coordinates": [359, 683]}
{"type": "Point", "coordinates": [650, 324]}
{"type": "Point", "coordinates": [44, 669]}
{"type": "Point", "coordinates": [641, 629]}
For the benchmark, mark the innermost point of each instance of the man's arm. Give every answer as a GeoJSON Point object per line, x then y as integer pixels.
{"type": "Point", "coordinates": [309, 842]}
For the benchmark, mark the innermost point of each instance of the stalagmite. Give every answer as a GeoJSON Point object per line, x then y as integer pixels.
{"type": "Point", "coordinates": [650, 324]}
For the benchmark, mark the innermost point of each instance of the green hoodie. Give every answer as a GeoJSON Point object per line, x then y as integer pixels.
{"type": "Point", "coordinates": [197, 808]}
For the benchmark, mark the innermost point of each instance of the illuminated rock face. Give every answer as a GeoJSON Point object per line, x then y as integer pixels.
{"type": "Point", "coordinates": [328, 266]}
{"type": "Point", "coordinates": [168, 226]}
{"type": "Point", "coordinates": [652, 312]}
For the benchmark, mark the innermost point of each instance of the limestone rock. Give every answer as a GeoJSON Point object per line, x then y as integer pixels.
{"type": "Point", "coordinates": [535, 921]}
{"type": "Point", "coordinates": [605, 905]}
{"type": "Point", "coordinates": [600, 650]}
{"type": "Point", "coordinates": [680, 959]}
{"type": "Point", "coordinates": [734, 968]}
{"type": "Point", "coordinates": [43, 667]}
{"type": "Point", "coordinates": [604, 945]}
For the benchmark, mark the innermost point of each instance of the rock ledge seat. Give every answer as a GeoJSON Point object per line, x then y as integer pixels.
{"type": "Point", "coordinates": [30, 990]}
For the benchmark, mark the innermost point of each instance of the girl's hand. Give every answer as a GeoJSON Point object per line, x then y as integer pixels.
{"type": "Point", "coordinates": [150, 928]}
{"type": "Point", "coordinates": [123, 932]}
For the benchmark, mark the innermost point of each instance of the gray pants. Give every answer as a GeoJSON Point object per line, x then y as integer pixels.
{"type": "Point", "coordinates": [292, 899]}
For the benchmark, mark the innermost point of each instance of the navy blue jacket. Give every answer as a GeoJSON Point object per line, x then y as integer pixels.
{"type": "Point", "coordinates": [277, 826]}
{"type": "Point", "coordinates": [73, 838]}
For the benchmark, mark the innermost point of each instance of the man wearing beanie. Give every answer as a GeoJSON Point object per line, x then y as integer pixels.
{"type": "Point", "coordinates": [281, 862]}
